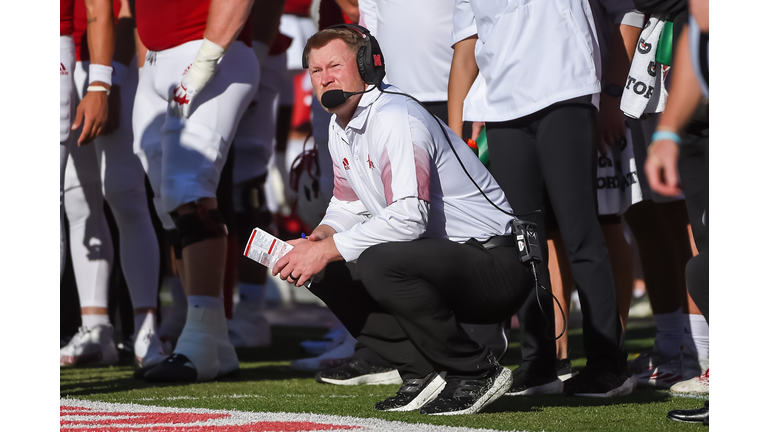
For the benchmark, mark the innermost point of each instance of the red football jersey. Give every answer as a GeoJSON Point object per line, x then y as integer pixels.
{"type": "Point", "coordinates": [67, 17]}
{"type": "Point", "coordinates": [297, 7]}
{"type": "Point", "coordinates": [164, 24]}
{"type": "Point", "coordinates": [81, 27]}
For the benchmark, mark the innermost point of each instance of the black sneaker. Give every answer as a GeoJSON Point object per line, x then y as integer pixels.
{"type": "Point", "coordinates": [358, 371]}
{"type": "Point", "coordinates": [414, 393]}
{"type": "Point", "coordinates": [564, 369]}
{"type": "Point", "coordinates": [594, 382]}
{"type": "Point", "coordinates": [175, 368]}
{"type": "Point", "coordinates": [700, 415]}
{"type": "Point", "coordinates": [525, 383]}
{"type": "Point", "coordinates": [470, 396]}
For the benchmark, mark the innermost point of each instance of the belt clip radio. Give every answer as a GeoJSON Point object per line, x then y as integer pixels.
{"type": "Point", "coordinates": [527, 241]}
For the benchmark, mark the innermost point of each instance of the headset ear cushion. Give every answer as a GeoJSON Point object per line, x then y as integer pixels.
{"type": "Point", "coordinates": [361, 67]}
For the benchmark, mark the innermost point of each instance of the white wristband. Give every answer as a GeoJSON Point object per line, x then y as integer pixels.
{"type": "Point", "coordinates": [119, 72]}
{"type": "Point", "coordinates": [98, 88]}
{"type": "Point", "coordinates": [101, 73]}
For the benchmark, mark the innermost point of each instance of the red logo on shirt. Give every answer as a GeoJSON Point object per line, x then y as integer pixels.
{"type": "Point", "coordinates": [377, 59]}
{"type": "Point", "coordinates": [370, 162]}
{"type": "Point", "coordinates": [62, 69]}
{"type": "Point", "coordinates": [345, 162]}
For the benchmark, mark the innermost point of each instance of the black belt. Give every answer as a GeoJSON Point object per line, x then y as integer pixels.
{"type": "Point", "coordinates": [500, 241]}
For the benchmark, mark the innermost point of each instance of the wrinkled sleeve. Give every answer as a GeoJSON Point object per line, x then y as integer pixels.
{"type": "Point", "coordinates": [405, 164]}
{"type": "Point", "coordinates": [464, 24]}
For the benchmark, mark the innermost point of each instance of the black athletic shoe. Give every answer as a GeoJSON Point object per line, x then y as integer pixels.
{"type": "Point", "coordinates": [176, 368]}
{"type": "Point", "coordinates": [525, 383]}
{"type": "Point", "coordinates": [594, 382]}
{"type": "Point", "coordinates": [414, 393]}
{"type": "Point", "coordinates": [358, 371]}
{"type": "Point", "coordinates": [470, 396]}
{"type": "Point", "coordinates": [700, 415]}
{"type": "Point", "coordinates": [564, 369]}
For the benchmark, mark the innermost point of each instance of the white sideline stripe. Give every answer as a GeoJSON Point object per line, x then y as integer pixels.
{"type": "Point", "coordinates": [244, 417]}
{"type": "Point", "coordinates": [239, 397]}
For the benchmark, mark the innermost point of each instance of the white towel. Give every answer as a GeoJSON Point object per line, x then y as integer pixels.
{"type": "Point", "coordinates": [618, 185]}
{"type": "Point", "coordinates": [644, 91]}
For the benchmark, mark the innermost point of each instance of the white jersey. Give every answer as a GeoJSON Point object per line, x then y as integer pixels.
{"type": "Point", "coordinates": [396, 179]}
{"type": "Point", "coordinates": [418, 56]}
{"type": "Point", "coordinates": [531, 54]}
{"type": "Point", "coordinates": [66, 84]}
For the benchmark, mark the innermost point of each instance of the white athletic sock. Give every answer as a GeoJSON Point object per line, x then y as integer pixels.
{"type": "Point", "coordinates": [252, 293]}
{"type": "Point", "coordinates": [208, 302]}
{"type": "Point", "coordinates": [696, 335]}
{"type": "Point", "coordinates": [669, 331]}
{"type": "Point", "coordinates": [93, 320]}
{"type": "Point", "coordinates": [144, 321]}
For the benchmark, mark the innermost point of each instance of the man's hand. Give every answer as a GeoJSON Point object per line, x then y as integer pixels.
{"type": "Point", "coordinates": [306, 259]}
{"type": "Point", "coordinates": [322, 232]}
{"type": "Point", "coordinates": [92, 114]}
{"type": "Point", "coordinates": [113, 101]}
{"type": "Point", "coordinates": [661, 167]}
{"type": "Point", "coordinates": [200, 72]}
{"type": "Point", "coordinates": [611, 128]}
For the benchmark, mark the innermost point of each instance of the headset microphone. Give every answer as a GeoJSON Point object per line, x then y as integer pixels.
{"type": "Point", "coordinates": [334, 98]}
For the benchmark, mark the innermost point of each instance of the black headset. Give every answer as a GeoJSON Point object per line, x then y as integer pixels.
{"type": "Point", "coordinates": [370, 60]}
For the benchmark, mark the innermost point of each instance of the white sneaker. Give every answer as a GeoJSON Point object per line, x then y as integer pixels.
{"type": "Point", "coordinates": [334, 357]}
{"type": "Point", "coordinates": [149, 349]}
{"type": "Point", "coordinates": [90, 346]}
{"type": "Point", "coordinates": [684, 365]}
{"type": "Point", "coordinates": [172, 325]}
{"type": "Point", "coordinates": [699, 384]}
{"type": "Point", "coordinates": [248, 327]}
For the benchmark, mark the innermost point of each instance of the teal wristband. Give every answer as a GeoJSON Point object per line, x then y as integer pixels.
{"type": "Point", "coordinates": [666, 135]}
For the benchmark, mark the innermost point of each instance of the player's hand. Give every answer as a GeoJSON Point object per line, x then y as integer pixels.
{"type": "Point", "coordinates": [611, 128]}
{"type": "Point", "coordinates": [661, 167]}
{"type": "Point", "coordinates": [92, 115]}
{"type": "Point", "coordinates": [197, 76]}
{"type": "Point", "coordinates": [306, 259]}
{"type": "Point", "coordinates": [113, 101]}
{"type": "Point", "coordinates": [322, 232]}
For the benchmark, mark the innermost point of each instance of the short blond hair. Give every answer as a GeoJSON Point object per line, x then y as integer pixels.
{"type": "Point", "coordinates": [352, 38]}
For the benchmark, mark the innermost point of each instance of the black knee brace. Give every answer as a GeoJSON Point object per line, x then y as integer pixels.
{"type": "Point", "coordinates": [202, 225]}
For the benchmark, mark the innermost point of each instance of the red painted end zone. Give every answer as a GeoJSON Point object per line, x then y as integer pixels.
{"type": "Point", "coordinates": [83, 419]}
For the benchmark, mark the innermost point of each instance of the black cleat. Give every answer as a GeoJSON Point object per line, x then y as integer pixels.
{"type": "Point", "coordinates": [700, 415]}
{"type": "Point", "coordinates": [358, 371]}
{"type": "Point", "coordinates": [176, 368]}
{"type": "Point", "coordinates": [525, 383]}
{"type": "Point", "coordinates": [414, 393]}
{"type": "Point", "coordinates": [470, 396]}
{"type": "Point", "coordinates": [598, 382]}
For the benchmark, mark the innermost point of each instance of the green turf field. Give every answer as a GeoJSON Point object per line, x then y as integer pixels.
{"type": "Point", "coordinates": [266, 383]}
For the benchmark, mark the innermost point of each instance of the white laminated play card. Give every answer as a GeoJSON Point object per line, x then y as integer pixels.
{"type": "Point", "coordinates": [266, 249]}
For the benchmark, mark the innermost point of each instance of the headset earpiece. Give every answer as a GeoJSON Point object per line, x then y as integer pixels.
{"type": "Point", "coordinates": [370, 60]}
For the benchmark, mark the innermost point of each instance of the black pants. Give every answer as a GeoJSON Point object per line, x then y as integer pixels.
{"type": "Point", "coordinates": [405, 301]}
{"type": "Point", "coordinates": [694, 176]}
{"type": "Point", "coordinates": [553, 151]}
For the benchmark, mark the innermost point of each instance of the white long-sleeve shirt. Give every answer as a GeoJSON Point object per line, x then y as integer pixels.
{"type": "Point", "coordinates": [531, 54]}
{"type": "Point", "coordinates": [396, 179]}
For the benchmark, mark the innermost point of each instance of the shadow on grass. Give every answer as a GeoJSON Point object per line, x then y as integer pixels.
{"type": "Point", "coordinates": [537, 403]}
